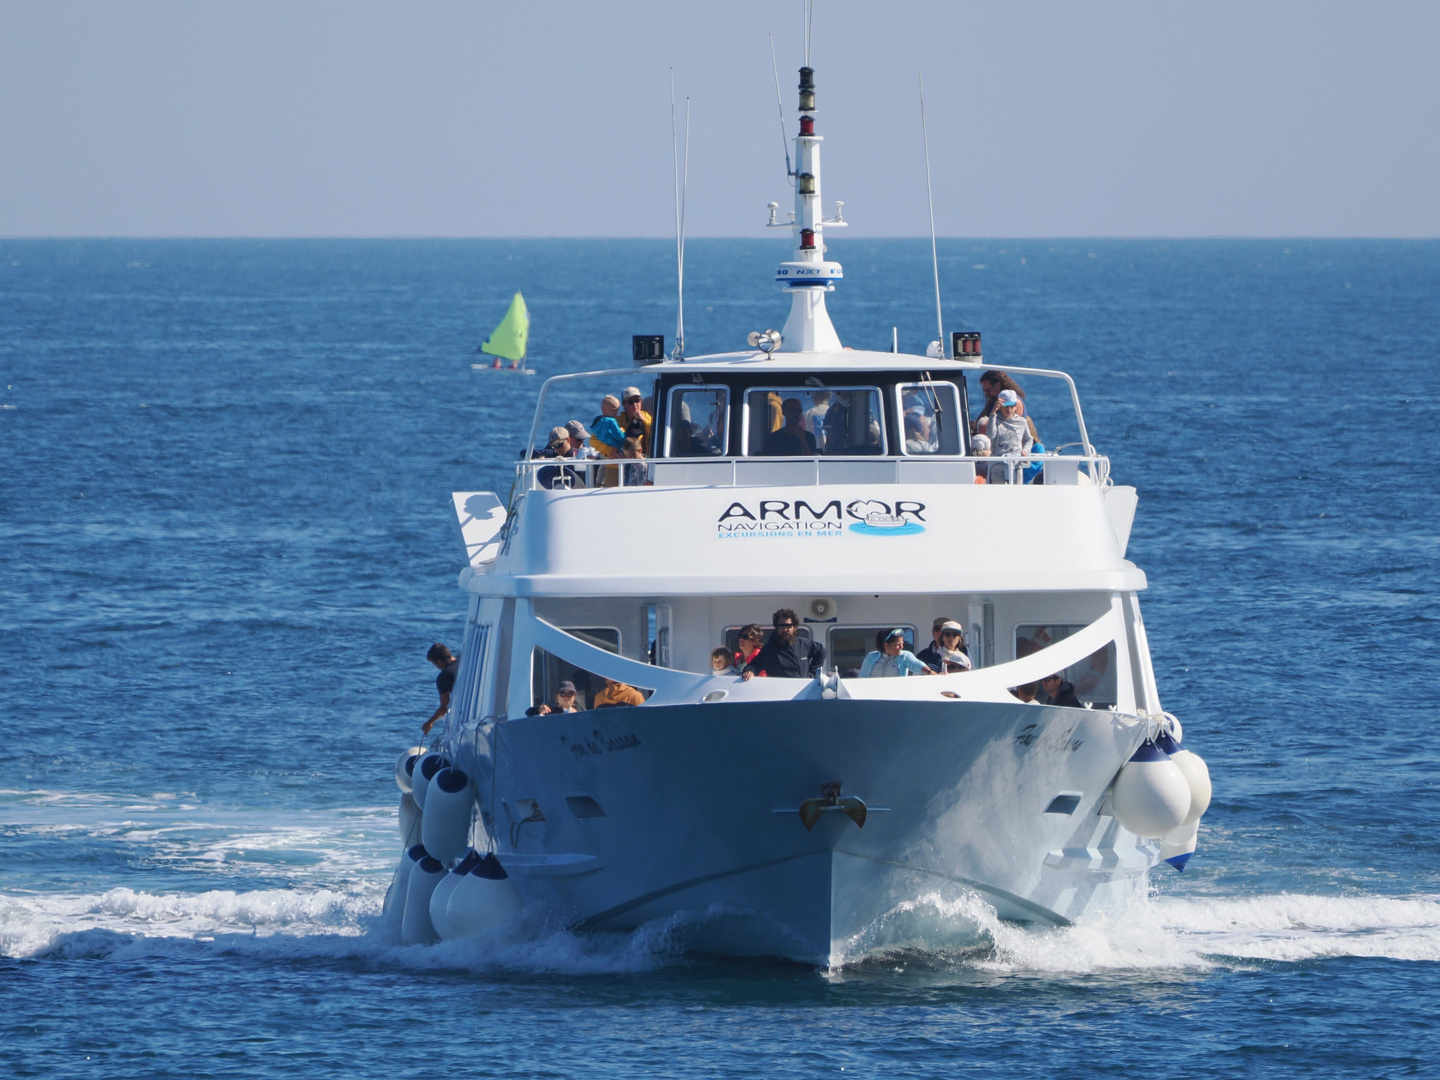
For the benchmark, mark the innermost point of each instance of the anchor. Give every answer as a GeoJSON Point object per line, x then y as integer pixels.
{"type": "Point", "coordinates": [831, 799]}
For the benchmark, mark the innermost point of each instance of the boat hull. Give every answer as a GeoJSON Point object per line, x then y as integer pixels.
{"type": "Point", "coordinates": [617, 817]}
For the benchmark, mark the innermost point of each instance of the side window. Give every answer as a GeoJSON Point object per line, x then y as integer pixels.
{"type": "Point", "coordinates": [931, 415]}
{"type": "Point", "coordinates": [1093, 677]}
{"type": "Point", "coordinates": [548, 670]}
{"type": "Point", "coordinates": [698, 421]}
{"type": "Point", "coordinates": [800, 421]}
{"type": "Point", "coordinates": [849, 644]}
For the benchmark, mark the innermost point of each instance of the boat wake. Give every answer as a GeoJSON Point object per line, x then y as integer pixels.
{"type": "Point", "coordinates": [930, 932]}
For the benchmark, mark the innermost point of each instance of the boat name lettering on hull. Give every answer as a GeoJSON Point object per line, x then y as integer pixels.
{"type": "Point", "coordinates": [783, 519]}
{"type": "Point", "coordinates": [598, 743]}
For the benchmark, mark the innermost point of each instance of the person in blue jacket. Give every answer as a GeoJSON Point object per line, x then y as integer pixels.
{"type": "Point", "coordinates": [892, 660]}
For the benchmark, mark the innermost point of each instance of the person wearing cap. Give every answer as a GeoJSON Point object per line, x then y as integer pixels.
{"type": "Point", "coordinates": [636, 421]}
{"type": "Point", "coordinates": [579, 439]}
{"type": "Point", "coordinates": [947, 653]}
{"type": "Point", "coordinates": [558, 476]}
{"type": "Point", "coordinates": [564, 701]}
{"type": "Point", "coordinates": [891, 659]}
{"type": "Point", "coordinates": [1009, 434]}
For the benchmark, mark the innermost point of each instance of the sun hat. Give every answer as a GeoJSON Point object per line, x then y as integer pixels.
{"type": "Point", "coordinates": [577, 430]}
{"type": "Point", "coordinates": [1008, 397]}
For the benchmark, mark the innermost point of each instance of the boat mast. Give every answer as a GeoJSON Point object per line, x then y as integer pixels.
{"type": "Point", "coordinates": [809, 276]}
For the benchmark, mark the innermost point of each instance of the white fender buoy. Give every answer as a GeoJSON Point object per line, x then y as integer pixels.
{"type": "Point", "coordinates": [1179, 844]}
{"type": "Point", "coordinates": [485, 899]}
{"type": "Point", "coordinates": [1151, 795]}
{"type": "Point", "coordinates": [392, 914]}
{"type": "Point", "coordinates": [410, 819]}
{"type": "Point", "coordinates": [403, 764]}
{"type": "Point", "coordinates": [426, 766]}
{"type": "Point", "coordinates": [440, 898]}
{"type": "Point", "coordinates": [1196, 772]}
{"type": "Point", "coordinates": [415, 926]}
{"type": "Point", "coordinates": [445, 832]}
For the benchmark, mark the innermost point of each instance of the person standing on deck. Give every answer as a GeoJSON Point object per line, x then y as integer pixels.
{"type": "Point", "coordinates": [786, 655]}
{"type": "Point", "coordinates": [449, 665]}
{"type": "Point", "coordinates": [636, 422]}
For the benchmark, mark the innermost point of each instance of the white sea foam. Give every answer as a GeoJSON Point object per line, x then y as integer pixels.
{"type": "Point", "coordinates": [1161, 934]}
{"type": "Point", "coordinates": [333, 866]}
{"type": "Point", "coordinates": [1164, 933]}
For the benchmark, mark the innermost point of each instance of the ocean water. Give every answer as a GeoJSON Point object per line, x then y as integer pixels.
{"type": "Point", "coordinates": [225, 543]}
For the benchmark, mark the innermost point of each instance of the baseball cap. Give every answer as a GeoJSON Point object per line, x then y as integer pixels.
{"type": "Point", "coordinates": [576, 430]}
{"type": "Point", "coordinates": [559, 434]}
{"type": "Point", "coordinates": [951, 624]}
{"type": "Point", "coordinates": [566, 687]}
{"type": "Point", "coordinates": [630, 392]}
{"type": "Point", "coordinates": [1008, 397]}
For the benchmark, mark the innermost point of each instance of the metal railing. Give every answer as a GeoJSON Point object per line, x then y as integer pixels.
{"type": "Point", "coordinates": [571, 475]}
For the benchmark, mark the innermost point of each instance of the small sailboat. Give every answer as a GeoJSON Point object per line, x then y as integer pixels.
{"type": "Point", "coordinates": [508, 340]}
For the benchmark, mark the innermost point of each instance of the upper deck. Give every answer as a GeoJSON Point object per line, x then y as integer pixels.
{"type": "Point", "coordinates": [835, 472]}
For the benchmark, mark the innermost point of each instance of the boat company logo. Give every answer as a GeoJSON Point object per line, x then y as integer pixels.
{"type": "Point", "coordinates": [786, 519]}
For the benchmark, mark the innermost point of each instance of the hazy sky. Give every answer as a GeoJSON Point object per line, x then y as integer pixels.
{"type": "Point", "coordinates": [552, 119]}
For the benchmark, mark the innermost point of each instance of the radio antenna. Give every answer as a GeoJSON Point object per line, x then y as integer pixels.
{"type": "Point", "coordinates": [681, 190]}
{"type": "Point", "coordinates": [930, 195]}
{"type": "Point", "coordinates": [780, 104]}
{"type": "Point", "coordinates": [809, 27]}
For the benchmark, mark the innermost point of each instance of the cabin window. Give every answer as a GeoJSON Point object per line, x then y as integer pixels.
{"type": "Point", "coordinates": [850, 644]}
{"type": "Point", "coordinates": [548, 671]}
{"type": "Point", "coordinates": [803, 421]}
{"type": "Point", "coordinates": [1093, 677]}
{"type": "Point", "coordinates": [699, 421]}
{"type": "Point", "coordinates": [931, 415]}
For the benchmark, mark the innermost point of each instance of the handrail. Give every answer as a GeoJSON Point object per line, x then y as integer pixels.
{"type": "Point", "coordinates": [527, 471]}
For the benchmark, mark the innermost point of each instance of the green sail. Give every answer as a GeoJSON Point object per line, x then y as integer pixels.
{"type": "Point", "coordinates": [509, 338]}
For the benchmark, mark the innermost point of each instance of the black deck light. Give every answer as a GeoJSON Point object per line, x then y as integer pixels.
{"type": "Point", "coordinates": [807, 90]}
{"type": "Point", "coordinates": [648, 348]}
{"type": "Point", "coordinates": [806, 183]}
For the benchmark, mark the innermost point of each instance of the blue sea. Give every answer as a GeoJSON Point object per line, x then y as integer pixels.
{"type": "Point", "coordinates": [226, 542]}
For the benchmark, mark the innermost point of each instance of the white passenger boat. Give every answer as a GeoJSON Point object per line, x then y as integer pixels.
{"type": "Point", "coordinates": [795, 816]}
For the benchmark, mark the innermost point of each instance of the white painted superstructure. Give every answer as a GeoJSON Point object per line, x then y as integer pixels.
{"type": "Point", "coordinates": [793, 816]}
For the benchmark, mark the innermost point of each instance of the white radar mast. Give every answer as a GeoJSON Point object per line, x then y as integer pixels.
{"type": "Point", "coordinates": [809, 276]}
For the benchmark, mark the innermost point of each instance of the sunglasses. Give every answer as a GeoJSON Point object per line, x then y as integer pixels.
{"type": "Point", "coordinates": [784, 626]}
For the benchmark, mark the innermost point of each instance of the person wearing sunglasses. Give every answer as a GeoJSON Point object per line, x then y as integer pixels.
{"type": "Point", "coordinates": [786, 655]}
{"type": "Point", "coordinates": [891, 659]}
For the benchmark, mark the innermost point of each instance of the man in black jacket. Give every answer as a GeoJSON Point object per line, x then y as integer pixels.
{"type": "Point", "coordinates": [786, 655]}
{"type": "Point", "coordinates": [1060, 692]}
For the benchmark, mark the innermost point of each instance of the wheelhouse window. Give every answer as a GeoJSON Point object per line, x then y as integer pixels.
{"type": "Point", "coordinates": [931, 416]}
{"type": "Point", "coordinates": [699, 421]}
{"type": "Point", "coordinates": [803, 421]}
